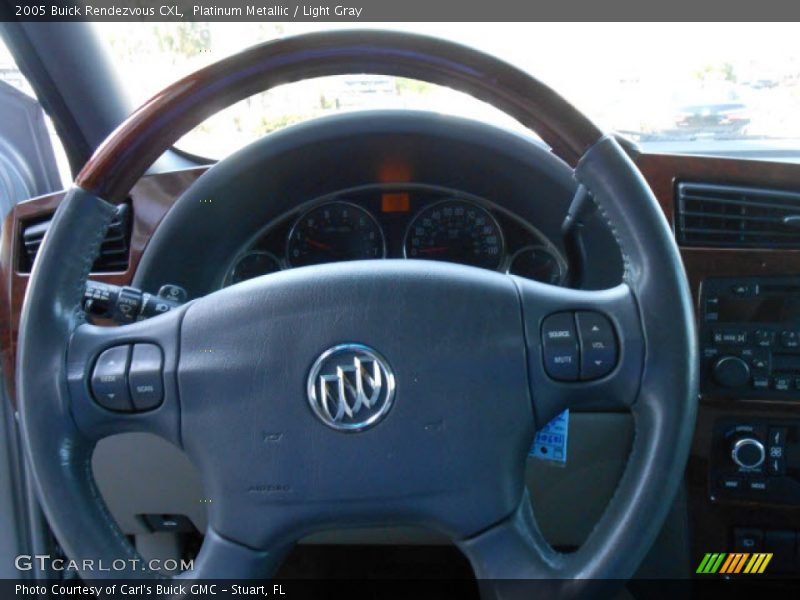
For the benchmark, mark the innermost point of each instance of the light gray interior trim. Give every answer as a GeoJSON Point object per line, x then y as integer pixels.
{"type": "Point", "coordinates": [13, 518]}
{"type": "Point", "coordinates": [140, 473]}
{"type": "Point", "coordinates": [569, 499]}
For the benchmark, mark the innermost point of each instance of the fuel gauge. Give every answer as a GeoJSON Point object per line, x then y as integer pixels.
{"type": "Point", "coordinates": [538, 263]}
{"type": "Point", "coordinates": [253, 264]}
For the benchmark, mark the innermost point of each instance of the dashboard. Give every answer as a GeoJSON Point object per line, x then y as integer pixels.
{"type": "Point", "coordinates": [470, 194]}
{"type": "Point", "coordinates": [382, 185]}
{"type": "Point", "coordinates": [406, 221]}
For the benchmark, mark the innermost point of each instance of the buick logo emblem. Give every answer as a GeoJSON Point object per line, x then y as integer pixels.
{"type": "Point", "coordinates": [350, 387]}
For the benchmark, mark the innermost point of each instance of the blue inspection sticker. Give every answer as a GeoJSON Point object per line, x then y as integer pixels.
{"type": "Point", "coordinates": [551, 441]}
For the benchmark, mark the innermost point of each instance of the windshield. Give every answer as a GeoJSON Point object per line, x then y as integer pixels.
{"type": "Point", "coordinates": [697, 88]}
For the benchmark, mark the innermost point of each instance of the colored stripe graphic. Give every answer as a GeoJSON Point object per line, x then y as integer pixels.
{"type": "Point", "coordinates": [733, 563]}
{"type": "Point", "coordinates": [732, 558]}
{"type": "Point", "coordinates": [703, 563]}
{"type": "Point", "coordinates": [765, 562]}
{"type": "Point", "coordinates": [710, 562]}
{"type": "Point", "coordinates": [739, 563]}
{"type": "Point", "coordinates": [752, 565]}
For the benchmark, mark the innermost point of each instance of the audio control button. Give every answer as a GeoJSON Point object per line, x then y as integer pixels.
{"type": "Point", "coordinates": [598, 345]}
{"type": "Point", "coordinates": [109, 379]}
{"type": "Point", "coordinates": [731, 372]}
{"type": "Point", "coordinates": [730, 337]}
{"type": "Point", "coordinates": [760, 362]}
{"type": "Point", "coordinates": [745, 289]}
{"type": "Point", "coordinates": [761, 383]}
{"type": "Point", "coordinates": [560, 347]}
{"type": "Point", "coordinates": [790, 339]}
{"type": "Point", "coordinates": [782, 383]}
{"type": "Point", "coordinates": [145, 376]}
{"type": "Point", "coordinates": [765, 338]}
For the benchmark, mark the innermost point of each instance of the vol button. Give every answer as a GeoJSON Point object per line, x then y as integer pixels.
{"type": "Point", "coordinates": [598, 345]}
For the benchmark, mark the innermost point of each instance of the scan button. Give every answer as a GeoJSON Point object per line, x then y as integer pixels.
{"type": "Point", "coordinates": [145, 376]}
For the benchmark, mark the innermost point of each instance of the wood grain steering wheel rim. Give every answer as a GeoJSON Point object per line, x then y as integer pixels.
{"type": "Point", "coordinates": [163, 119]}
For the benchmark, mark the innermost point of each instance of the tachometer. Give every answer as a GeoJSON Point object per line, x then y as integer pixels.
{"type": "Point", "coordinates": [333, 232]}
{"type": "Point", "coordinates": [456, 231]}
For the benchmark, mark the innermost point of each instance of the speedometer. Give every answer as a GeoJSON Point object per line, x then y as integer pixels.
{"type": "Point", "coordinates": [334, 232]}
{"type": "Point", "coordinates": [456, 231]}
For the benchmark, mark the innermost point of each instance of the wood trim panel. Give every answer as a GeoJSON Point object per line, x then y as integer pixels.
{"type": "Point", "coordinates": [151, 198]}
{"type": "Point", "coordinates": [663, 172]}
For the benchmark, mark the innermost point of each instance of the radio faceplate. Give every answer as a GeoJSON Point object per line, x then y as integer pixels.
{"type": "Point", "coordinates": [750, 338]}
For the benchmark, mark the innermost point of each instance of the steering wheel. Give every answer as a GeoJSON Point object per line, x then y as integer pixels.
{"type": "Point", "coordinates": [370, 392]}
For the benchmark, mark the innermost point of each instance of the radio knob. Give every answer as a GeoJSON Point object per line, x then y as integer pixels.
{"type": "Point", "coordinates": [748, 453]}
{"type": "Point", "coordinates": [731, 372]}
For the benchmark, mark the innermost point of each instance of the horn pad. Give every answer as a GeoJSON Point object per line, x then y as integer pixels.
{"type": "Point", "coordinates": [374, 392]}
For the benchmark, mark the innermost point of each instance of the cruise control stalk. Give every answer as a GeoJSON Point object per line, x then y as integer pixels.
{"type": "Point", "coordinates": [125, 304]}
{"type": "Point", "coordinates": [572, 232]}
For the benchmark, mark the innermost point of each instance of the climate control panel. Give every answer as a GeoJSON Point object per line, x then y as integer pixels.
{"type": "Point", "coordinates": [756, 461]}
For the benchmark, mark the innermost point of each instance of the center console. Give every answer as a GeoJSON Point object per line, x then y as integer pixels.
{"type": "Point", "coordinates": [750, 372]}
{"type": "Point", "coordinates": [750, 350]}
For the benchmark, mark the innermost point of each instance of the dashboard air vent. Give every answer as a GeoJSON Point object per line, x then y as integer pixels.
{"type": "Point", "coordinates": [113, 251]}
{"type": "Point", "coordinates": [737, 217]}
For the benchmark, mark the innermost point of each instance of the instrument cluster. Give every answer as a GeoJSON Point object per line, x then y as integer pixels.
{"type": "Point", "coordinates": [411, 221]}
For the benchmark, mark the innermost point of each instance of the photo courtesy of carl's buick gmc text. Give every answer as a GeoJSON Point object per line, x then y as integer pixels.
{"type": "Point", "coordinates": [399, 300]}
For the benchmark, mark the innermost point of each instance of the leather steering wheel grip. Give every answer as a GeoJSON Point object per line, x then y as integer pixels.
{"type": "Point", "coordinates": [664, 411]}
{"type": "Point", "coordinates": [59, 452]}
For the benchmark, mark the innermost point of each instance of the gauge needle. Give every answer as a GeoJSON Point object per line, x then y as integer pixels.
{"type": "Point", "coordinates": [319, 245]}
{"type": "Point", "coordinates": [433, 250]}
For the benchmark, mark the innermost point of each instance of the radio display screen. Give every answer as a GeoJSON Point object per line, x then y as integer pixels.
{"type": "Point", "coordinates": [759, 309]}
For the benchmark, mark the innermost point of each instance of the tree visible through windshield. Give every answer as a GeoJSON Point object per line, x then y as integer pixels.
{"type": "Point", "coordinates": [678, 87]}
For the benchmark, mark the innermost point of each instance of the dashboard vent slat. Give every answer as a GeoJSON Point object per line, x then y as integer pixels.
{"type": "Point", "coordinates": [114, 250]}
{"type": "Point", "coordinates": [736, 217]}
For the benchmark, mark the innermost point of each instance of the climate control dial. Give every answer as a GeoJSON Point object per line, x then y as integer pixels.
{"type": "Point", "coordinates": [748, 453]}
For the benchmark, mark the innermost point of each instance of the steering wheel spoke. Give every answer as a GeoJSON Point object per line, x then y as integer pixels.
{"type": "Point", "coordinates": [513, 549]}
{"type": "Point", "coordinates": [585, 348]}
{"type": "Point", "coordinates": [513, 561]}
{"type": "Point", "coordinates": [124, 378]}
{"type": "Point", "coordinates": [223, 558]}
